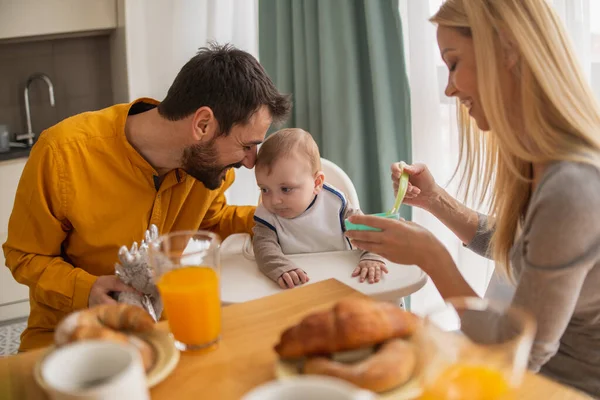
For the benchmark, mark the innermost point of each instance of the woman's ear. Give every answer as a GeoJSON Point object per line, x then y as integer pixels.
{"type": "Point", "coordinates": [319, 181]}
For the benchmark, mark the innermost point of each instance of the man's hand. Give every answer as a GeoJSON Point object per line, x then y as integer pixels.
{"type": "Point", "coordinates": [105, 285]}
{"type": "Point", "coordinates": [370, 269]}
{"type": "Point", "coordinates": [292, 278]}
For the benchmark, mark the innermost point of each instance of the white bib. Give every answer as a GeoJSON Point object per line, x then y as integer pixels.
{"type": "Point", "coordinates": [318, 229]}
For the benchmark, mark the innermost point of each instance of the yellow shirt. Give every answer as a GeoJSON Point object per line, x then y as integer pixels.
{"type": "Point", "coordinates": [84, 193]}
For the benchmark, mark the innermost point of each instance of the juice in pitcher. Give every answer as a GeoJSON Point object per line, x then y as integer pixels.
{"type": "Point", "coordinates": [191, 299]}
{"type": "Point", "coordinates": [186, 267]}
{"type": "Point", "coordinates": [468, 382]}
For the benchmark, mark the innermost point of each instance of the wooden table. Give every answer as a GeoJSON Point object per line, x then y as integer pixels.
{"type": "Point", "coordinates": [245, 357]}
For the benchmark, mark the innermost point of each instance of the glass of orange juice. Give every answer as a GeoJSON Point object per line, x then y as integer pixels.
{"type": "Point", "coordinates": [186, 269]}
{"type": "Point", "coordinates": [473, 349]}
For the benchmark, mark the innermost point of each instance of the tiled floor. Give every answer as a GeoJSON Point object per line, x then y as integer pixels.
{"type": "Point", "coordinates": [9, 337]}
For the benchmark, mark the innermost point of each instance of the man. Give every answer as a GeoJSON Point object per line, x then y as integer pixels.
{"type": "Point", "coordinates": [96, 181]}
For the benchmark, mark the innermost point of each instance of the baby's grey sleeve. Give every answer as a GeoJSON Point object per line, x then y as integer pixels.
{"type": "Point", "coordinates": [268, 254]}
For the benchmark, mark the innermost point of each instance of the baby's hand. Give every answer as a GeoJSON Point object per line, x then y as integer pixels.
{"type": "Point", "coordinates": [370, 269]}
{"type": "Point", "coordinates": [292, 278]}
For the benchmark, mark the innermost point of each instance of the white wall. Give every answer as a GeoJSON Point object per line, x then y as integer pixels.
{"type": "Point", "coordinates": [162, 35]}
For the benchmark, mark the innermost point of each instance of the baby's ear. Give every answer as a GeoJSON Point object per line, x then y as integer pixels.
{"type": "Point", "coordinates": [319, 181]}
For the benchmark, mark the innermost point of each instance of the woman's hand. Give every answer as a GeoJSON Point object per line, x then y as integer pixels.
{"type": "Point", "coordinates": [422, 189]}
{"type": "Point", "coordinates": [408, 243]}
{"type": "Point", "coordinates": [398, 241]}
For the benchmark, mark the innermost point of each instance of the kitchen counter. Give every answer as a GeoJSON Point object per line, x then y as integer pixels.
{"type": "Point", "coordinates": [15, 153]}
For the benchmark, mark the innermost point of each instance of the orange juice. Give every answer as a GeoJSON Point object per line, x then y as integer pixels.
{"type": "Point", "coordinates": [468, 382]}
{"type": "Point", "coordinates": [192, 304]}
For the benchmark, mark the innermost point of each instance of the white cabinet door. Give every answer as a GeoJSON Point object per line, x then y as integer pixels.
{"type": "Point", "coordinates": [14, 297]}
{"type": "Point", "coordinates": [23, 18]}
{"type": "Point", "coordinates": [10, 173]}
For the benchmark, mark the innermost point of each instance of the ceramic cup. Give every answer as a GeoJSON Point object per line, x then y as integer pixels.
{"type": "Point", "coordinates": [308, 387]}
{"type": "Point", "coordinates": [95, 370]}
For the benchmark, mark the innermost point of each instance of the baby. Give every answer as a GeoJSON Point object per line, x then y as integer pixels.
{"type": "Point", "coordinates": [299, 212]}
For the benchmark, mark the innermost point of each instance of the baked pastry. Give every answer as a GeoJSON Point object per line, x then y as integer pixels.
{"type": "Point", "coordinates": [351, 324]}
{"type": "Point", "coordinates": [390, 366]}
{"type": "Point", "coordinates": [108, 322]}
{"type": "Point", "coordinates": [355, 326]}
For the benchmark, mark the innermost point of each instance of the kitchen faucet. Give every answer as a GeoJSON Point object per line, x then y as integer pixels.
{"type": "Point", "coordinates": [30, 135]}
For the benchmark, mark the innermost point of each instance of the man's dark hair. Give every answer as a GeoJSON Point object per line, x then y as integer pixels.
{"type": "Point", "coordinates": [229, 81]}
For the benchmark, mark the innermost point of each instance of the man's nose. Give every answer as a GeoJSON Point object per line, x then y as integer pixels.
{"type": "Point", "coordinates": [250, 158]}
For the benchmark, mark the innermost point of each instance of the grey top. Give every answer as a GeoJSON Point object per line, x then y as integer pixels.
{"type": "Point", "coordinates": [556, 262]}
{"type": "Point", "coordinates": [270, 258]}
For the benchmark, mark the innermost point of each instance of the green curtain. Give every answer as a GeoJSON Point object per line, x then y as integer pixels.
{"type": "Point", "coordinates": [343, 62]}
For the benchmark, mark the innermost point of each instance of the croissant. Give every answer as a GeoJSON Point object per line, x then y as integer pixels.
{"type": "Point", "coordinates": [122, 317]}
{"type": "Point", "coordinates": [351, 324]}
{"type": "Point", "coordinates": [108, 322]}
{"type": "Point", "coordinates": [86, 332]}
{"type": "Point", "coordinates": [392, 365]}
{"type": "Point", "coordinates": [116, 317]}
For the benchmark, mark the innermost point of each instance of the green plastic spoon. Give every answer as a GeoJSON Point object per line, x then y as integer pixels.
{"type": "Point", "coordinates": [393, 213]}
{"type": "Point", "coordinates": [402, 188]}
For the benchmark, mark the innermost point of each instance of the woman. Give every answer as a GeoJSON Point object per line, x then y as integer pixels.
{"type": "Point", "coordinates": [536, 148]}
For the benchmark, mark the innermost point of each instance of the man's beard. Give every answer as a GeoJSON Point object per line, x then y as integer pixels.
{"type": "Point", "coordinates": [201, 162]}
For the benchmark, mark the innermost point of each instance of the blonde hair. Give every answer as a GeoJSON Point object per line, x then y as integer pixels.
{"type": "Point", "coordinates": [559, 120]}
{"type": "Point", "coordinates": [286, 142]}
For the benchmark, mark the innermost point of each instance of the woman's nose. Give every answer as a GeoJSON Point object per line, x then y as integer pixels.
{"type": "Point", "coordinates": [450, 89]}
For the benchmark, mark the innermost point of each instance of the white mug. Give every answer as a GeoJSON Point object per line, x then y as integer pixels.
{"type": "Point", "coordinates": [309, 387]}
{"type": "Point", "coordinates": [95, 370]}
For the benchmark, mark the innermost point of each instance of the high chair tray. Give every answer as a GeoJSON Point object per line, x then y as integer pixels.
{"type": "Point", "coordinates": [242, 281]}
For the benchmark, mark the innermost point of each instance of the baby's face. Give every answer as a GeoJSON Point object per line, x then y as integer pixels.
{"type": "Point", "coordinates": [290, 187]}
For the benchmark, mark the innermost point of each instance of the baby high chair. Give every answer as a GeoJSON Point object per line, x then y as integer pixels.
{"type": "Point", "coordinates": [338, 178]}
{"type": "Point", "coordinates": [242, 281]}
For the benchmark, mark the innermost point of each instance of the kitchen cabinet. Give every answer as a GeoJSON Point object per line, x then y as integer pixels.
{"type": "Point", "coordinates": [14, 297]}
{"type": "Point", "coordinates": [30, 18]}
